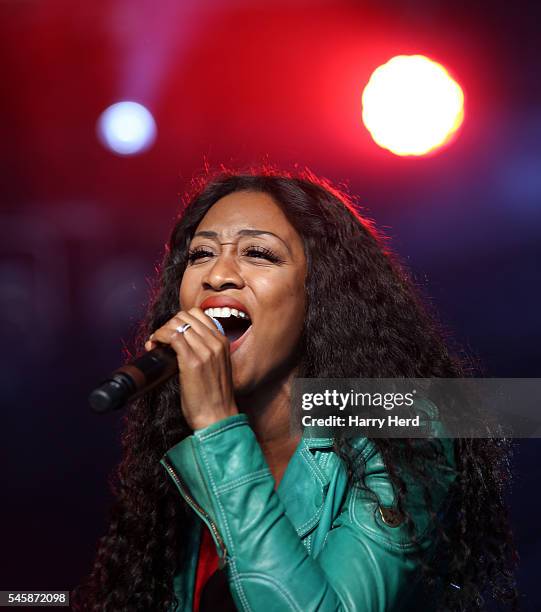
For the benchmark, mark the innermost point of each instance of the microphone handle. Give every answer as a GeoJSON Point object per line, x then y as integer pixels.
{"type": "Point", "coordinates": [133, 379]}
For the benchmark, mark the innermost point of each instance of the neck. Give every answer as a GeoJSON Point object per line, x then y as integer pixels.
{"type": "Point", "coordinates": [268, 410]}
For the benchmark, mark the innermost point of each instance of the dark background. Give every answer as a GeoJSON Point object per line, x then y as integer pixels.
{"type": "Point", "coordinates": [236, 83]}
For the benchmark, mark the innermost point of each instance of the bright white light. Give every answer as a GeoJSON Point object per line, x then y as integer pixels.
{"type": "Point", "coordinates": [411, 105]}
{"type": "Point", "coordinates": [127, 128]}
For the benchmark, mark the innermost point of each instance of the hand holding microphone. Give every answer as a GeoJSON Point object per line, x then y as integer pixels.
{"type": "Point", "coordinates": [204, 363]}
{"type": "Point", "coordinates": [190, 344]}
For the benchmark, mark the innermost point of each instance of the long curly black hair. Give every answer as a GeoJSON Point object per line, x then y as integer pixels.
{"type": "Point", "coordinates": [377, 325]}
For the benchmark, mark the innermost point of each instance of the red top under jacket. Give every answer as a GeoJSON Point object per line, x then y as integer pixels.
{"type": "Point", "coordinates": [206, 566]}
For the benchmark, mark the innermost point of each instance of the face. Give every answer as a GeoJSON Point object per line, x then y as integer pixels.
{"type": "Point", "coordinates": [246, 250]}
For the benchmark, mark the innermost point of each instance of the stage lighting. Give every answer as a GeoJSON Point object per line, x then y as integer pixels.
{"type": "Point", "coordinates": [411, 105]}
{"type": "Point", "coordinates": [127, 128]}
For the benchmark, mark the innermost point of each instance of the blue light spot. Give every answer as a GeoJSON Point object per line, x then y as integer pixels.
{"type": "Point", "coordinates": [127, 128]}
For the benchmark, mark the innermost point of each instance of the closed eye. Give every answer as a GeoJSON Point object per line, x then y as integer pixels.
{"type": "Point", "coordinates": [198, 254]}
{"type": "Point", "coordinates": [256, 252]}
{"type": "Point", "coordinates": [262, 253]}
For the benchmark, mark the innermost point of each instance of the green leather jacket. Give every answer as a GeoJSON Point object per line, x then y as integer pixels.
{"type": "Point", "coordinates": [312, 544]}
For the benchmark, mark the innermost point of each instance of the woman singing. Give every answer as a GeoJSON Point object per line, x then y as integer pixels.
{"type": "Point", "coordinates": [219, 506]}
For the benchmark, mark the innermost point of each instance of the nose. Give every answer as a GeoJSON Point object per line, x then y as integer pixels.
{"type": "Point", "coordinates": [223, 274]}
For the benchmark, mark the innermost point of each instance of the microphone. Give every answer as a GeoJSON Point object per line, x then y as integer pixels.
{"type": "Point", "coordinates": [137, 377]}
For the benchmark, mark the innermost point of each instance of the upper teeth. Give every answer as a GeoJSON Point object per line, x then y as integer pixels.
{"type": "Point", "coordinates": [226, 312]}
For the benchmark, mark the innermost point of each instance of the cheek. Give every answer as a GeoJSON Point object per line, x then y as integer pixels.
{"type": "Point", "coordinates": [186, 291]}
{"type": "Point", "coordinates": [181, 297]}
{"type": "Point", "coordinates": [287, 309]}
{"type": "Point", "coordinates": [284, 292]}
{"type": "Point", "coordinates": [294, 297]}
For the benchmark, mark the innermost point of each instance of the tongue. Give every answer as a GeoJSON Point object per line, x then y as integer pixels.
{"type": "Point", "coordinates": [234, 334]}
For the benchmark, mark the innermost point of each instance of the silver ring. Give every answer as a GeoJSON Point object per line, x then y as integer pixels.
{"type": "Point", "coordinates": [182, 328]}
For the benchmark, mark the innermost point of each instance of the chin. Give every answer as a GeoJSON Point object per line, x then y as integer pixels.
{"type": "Point", "coordinates": [243, 386]}
{"type": "Point", "coordinates": [241, 390]}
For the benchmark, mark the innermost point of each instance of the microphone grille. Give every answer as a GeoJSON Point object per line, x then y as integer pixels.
{"type": "Point", "coordinates": [218, 325]}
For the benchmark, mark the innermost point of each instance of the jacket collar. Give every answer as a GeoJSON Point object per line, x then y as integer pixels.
{"type": "Point", "coordinates": [317, 442]}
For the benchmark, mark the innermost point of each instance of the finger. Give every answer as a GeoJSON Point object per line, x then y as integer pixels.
{"type": "Point", "coordinates": [200, 322]}
{"type": "Point", "coordinates": [169, 334]}
{"type": "Point", "coordinates": [149, 344]}
{"type": "Point", "coordinates": [164, 334]}
{"type": "Point", "coordinates": [206, 320]}
{"type": "Point", "coordinates": [200, 334]}
{"type": "Point", "coordinates": [193, 349]}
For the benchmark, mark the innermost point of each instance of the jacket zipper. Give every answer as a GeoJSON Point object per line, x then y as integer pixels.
{"type": "Point", "coordinates": [206, 518]}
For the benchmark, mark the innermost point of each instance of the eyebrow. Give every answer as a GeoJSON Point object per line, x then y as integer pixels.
{"type": "Point", "coordinates": [244, 232]}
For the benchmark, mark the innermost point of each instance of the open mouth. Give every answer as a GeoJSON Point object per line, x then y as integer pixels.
{"type": "Point", "coordinates": [234, 328]}
{"type": "Point", "coordinates": [235, 323]}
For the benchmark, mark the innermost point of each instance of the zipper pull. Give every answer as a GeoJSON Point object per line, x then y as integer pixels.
{"type": "Point", "coordinates": [222, 559]}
